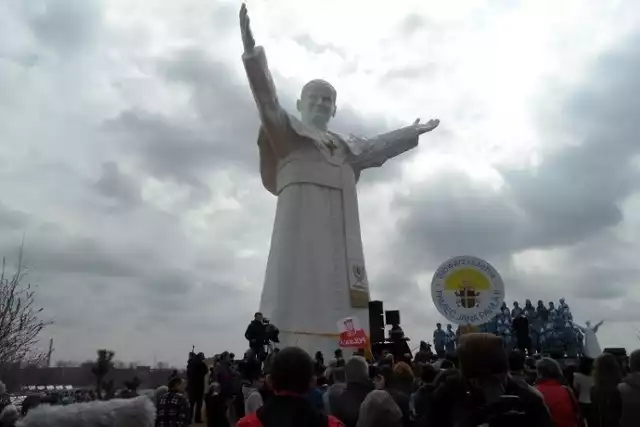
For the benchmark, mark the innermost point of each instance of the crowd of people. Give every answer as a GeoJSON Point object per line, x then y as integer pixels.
{"type": "Point", "coordinates": [482, 384]}
{"type": "Point", "coordinates": [543, 329]}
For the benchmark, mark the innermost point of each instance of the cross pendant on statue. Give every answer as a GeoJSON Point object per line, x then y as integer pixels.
{"type": "Point", "coordinates": [331, 146]}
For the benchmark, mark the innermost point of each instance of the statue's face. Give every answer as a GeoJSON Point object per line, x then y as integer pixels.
{"type": "Point", "coordinates": [317, 104]}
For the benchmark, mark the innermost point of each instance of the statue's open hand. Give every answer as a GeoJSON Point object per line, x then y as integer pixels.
{"type": "Point", "coordinates": [245, 29]}
{"type": "Point", "coordinates": [426, 127]}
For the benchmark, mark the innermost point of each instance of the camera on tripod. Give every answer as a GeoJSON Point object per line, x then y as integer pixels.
{"type": "Point", "coordinates": [271, 332]}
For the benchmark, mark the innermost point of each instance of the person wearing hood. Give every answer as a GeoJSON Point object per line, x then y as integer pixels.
{"type": "Point", "coordinates": [337, 387]}
{"type": "Point", "coordinates": [346, 406]}
{"type": "Point", "coordinates": [630, 392]}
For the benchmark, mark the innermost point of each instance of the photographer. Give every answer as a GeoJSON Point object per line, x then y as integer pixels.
{"type": "Point", "coordinates": [256, 334]}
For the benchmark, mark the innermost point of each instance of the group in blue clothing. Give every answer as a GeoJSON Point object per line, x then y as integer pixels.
{"type": "Point", "coordinates": [542, 329]}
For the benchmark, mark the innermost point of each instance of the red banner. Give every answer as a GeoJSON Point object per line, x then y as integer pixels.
{"type": "Point", "coordinates": [355, 339]}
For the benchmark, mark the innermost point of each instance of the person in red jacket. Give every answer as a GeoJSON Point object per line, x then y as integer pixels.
{"type": "Point", "coordinates": [290, 378]}
{"type": "Point", "coordinates": [559, 398]}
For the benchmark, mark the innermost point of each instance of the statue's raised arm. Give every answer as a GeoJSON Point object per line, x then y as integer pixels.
{"type": "Point", "coordinates": [248, 41]}
{"type": "Point", "coordinates": [264, 91]}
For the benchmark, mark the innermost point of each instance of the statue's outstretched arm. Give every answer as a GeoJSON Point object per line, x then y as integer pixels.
{"type": "Point", "coordinates": [374, 152]}
{"type": "Point", "coordinates": [597, 326]}
{"type": "Point", "coordinates": [264, 91]}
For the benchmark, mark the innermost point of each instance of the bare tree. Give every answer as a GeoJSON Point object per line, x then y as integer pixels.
{"type": "Point", "coordinates": [20, 322]}
{"type": "Point", "coordinates": [101, 367]}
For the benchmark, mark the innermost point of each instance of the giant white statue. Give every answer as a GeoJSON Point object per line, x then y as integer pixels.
{"type": "Point", "coordinates": [315, 273]}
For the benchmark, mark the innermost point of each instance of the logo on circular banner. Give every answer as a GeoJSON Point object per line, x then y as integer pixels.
{"type": "Point", "coordinates": [467, 290]}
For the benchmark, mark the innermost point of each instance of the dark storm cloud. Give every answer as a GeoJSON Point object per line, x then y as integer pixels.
{"type": "Point", "coordinates": [452, 214]}
{"type": "Point", "coordinates": [573, 195]}
{"type": "Point", "coordinates": [577, 191]}
{"type": "Point", "coordinates": [187, 151]}
{"type": "Point", "coordinates": [57, 252]}
{"type": "Point", "coordinates": [117, 186]}
{"type": "Point", "coordinates": [168, 149]}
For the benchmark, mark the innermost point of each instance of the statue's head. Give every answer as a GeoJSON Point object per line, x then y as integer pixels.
{"type": "Point", "coordinates": [561, 301]}
{"type": "Point", "coordinates": [317, 103]}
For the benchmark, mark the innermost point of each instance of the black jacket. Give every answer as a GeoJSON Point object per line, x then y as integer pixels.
{"type": "Point", "coordinates": [196, 371]}
{"type": "Point", "coordinates": [453, 405]}
{"type": "Point", "coordinates": [256, 332]}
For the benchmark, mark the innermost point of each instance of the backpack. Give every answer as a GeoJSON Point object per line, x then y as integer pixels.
{"type": "Point", "coordinates": [311, 417]}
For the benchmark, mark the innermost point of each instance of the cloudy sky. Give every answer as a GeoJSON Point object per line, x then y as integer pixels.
{"type": "Point", "coordinates": [129, 161]}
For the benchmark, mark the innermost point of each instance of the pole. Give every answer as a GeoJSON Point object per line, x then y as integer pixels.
{"type": "Point", "coordinates": [50, 352]}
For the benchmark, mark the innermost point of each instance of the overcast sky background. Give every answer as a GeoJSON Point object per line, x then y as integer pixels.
{"type": "Point", "coordinates": [128, 157]}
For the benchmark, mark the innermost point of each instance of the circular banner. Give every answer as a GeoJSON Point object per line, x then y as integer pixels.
{"type": "Point", "coordinates": [467, 290]}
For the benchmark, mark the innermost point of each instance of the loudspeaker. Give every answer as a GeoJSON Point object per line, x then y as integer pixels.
{"type": "Point", "coordinates": [376, 321]}
{"type": "Point", "coordinates": [392, 317]}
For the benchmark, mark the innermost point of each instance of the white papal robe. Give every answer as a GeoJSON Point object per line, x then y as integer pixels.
{"type": "Point", "coordinates": [315, 272]}
{"type": "Point", "coordinates": [591, 348]}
